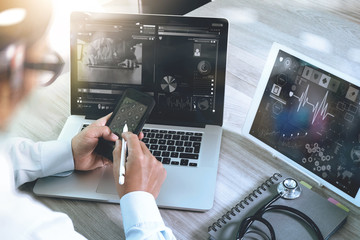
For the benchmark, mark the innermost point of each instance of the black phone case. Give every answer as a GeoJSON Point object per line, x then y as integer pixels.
{"type": "Point", "coordinates": [104, 147]}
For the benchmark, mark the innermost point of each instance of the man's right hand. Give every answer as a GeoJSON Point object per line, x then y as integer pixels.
{"type": "Point", "coordinates": [143, 172]}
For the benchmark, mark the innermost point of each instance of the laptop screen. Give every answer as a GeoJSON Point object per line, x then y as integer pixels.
{"type": "Point", "coordinates": [178, 60]}
{"type": "Point", "coordinates": [312, 117]}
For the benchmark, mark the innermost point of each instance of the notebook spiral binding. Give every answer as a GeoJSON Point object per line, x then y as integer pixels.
{"type": "Point", "coordinates": [243, 203]}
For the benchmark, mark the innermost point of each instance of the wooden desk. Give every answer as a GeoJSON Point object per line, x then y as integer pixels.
{"type": "Point", "coordinates": [333, 28]}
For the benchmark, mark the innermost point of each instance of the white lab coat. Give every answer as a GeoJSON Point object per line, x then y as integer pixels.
{"type": "Point", "coordinates": [22, 217]}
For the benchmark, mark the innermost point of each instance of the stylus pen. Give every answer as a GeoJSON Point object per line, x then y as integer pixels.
{"type": "Point", "coordinates": [122, 158]}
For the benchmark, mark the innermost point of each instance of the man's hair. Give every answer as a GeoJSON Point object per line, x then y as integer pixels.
{"type": "Point", "coordinates": [37, 14]}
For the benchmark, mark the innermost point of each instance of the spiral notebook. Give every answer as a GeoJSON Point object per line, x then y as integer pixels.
{"type": "Point", "coordinates": [328, 216]}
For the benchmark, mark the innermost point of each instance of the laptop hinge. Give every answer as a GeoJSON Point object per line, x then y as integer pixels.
{"type": "Point", "coordinates": [183, 124]}
{"type": "Point", "coordinates": [196, 125]}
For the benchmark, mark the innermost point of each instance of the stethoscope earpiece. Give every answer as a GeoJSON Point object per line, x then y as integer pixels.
{"type": "Point", "coordinates": [289, 189]}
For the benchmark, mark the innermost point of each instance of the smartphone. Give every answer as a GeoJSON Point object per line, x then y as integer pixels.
{"type": "Point", "coordinates": [133, 108]}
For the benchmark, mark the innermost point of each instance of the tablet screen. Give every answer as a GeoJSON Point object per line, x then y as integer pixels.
{"type": "Point", "coordinates": [312, 117]}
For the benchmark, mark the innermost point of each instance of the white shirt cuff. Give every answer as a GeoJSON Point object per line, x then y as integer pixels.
{"type": "Point", "coordinates": [139, 208]}
{"type": "Point", "coordinates": [56, 157]}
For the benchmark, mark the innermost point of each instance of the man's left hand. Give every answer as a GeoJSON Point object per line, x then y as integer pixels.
{"type": "Point", "coordinates": [84, 144]}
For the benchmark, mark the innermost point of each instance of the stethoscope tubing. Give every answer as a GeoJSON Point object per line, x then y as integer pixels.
{"type": "Point", "coordinates": [246, 223]}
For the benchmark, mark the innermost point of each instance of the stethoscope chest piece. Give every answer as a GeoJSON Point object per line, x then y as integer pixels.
{"type": "Point", "coordinates": [289, 189]}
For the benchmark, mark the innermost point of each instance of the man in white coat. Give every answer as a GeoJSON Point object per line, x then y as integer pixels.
{"type": "Point", "coordinates": [23, 24]}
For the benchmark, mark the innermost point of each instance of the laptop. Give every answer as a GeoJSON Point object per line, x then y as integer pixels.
{"type": "Point", "coordinates": [178, 60]}
{"type": "Point", "coordinates": [307, 114]}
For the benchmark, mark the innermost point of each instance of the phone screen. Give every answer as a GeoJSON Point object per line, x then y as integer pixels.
{"type": "Point", "coordinates": [130, 112]}
{"type": "Point", "coordinates": [133, 109]}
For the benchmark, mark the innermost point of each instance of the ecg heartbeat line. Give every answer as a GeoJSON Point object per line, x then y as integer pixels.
{"type": "Point", "coordinates": [317, 108]}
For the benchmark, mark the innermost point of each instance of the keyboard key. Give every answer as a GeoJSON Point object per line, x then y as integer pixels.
{"type": "Point", "coordinates": [180, 133]}
{"type": "Point", "coordinates": [158, 158]}
{"type": "Point", "coordinates": [167, 136]}
{"type": "Point", "coordinates": [184, 162]}
{"type": "Point", "coordinates": [157, 153]}
{"type": "Point", "coordinates": [188, 144]}
{"type": "Point", "coordinates": [145, 140]}
{"type": "Point", "coordinates": [193, 164]}
{"type": "Point", "coordinates": [162, 147]}
{"type": "Point", "coordinates": [154, 130]}
{"type": "Point", "coordinates": [174, 155]}
{"type": "Point", "coordinates": [179, 143]}
{"type": "Point", "coordinates": [180, 149]}
{"type": "Point", "coordinates": [159, 135]}
{"type": "Point", "coordinates": [185, 138]}
{"type": "Point", "coordinates": [196, 144]}
{"type": "Point", "coordinates": [176, 137]}
{"type": "Point", "coordinates": [175, 163]}
{"type": "Point", "coordinates": [166, 160]}
{"type": "Point", "coordinates": [154, 147]}
{"type": "Point", "coordinates": [189, 133]}
{"type": "Point", "coordinates": [84, 126]}
{"type": "Point", "coordinates": [163, 131]}
{"type": "Point", "coordinates": [189, 155]}
{"type": "Point", "coordinates": [198, 134]}
{"type": "Point", "coordinates": [170, 142]}
{"type": "Point", "coordinates": [145, 130]}
{"type": "Point", "coordinates": [189, 150]}
{"type": "Point", "coordinates": [162, 141]}
{"type": "Point", "coordinates": [165, 154]}
{"type": "Point", "coordinates": [195, 139]}
{"type": "Point", "coordinates": [196, 149]}
{"type": "Point", "coordinates": [171, 148]}
{"type": "Point", "coordinates": [153, 141]}
{"type": "Point", "coordinates": [172, 132]}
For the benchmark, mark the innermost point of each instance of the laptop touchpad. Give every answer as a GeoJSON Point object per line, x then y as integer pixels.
{"type": "Point", "coordinates": [107, 184]}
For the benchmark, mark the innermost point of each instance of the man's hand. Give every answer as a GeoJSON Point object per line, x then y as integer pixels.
{"type": "Point", "coordinates": [85, 142]}
{"type": "Point", "coordinates": [143, 171]}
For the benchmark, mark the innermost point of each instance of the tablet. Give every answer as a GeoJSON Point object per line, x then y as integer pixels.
{"type": "Point", "coordinates": [308, 115]}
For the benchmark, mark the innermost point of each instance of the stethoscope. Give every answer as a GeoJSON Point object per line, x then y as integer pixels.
{"type": "Point", "coordinates": [287, 189]}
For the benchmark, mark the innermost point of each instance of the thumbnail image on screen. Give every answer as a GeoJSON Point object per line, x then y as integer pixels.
{"type": "Point", "coordinates": [109, 58]}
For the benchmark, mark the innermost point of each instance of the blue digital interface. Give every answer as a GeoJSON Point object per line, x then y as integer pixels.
{"type": "Point", "coordinates": [312, 117]}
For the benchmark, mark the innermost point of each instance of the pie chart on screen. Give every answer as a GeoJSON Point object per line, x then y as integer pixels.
{"type": "Point", "coordinates": [168, 84]}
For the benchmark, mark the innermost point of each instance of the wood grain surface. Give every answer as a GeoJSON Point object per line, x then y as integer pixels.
{"type": "Point", "coordinates": [328, 31]}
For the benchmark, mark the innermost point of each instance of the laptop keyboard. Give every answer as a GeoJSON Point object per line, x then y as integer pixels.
{"type": "Point", "coordinates": [180, 148]}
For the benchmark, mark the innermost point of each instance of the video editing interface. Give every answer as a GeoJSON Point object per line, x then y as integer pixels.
{"type": "Point", "coordinates": [312, 117]}
{"type": "Point", "coordinates": [174, 63]}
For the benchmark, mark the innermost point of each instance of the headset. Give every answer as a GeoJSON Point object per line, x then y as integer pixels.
{"type": "Point", "coordinates": [288, 189]}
